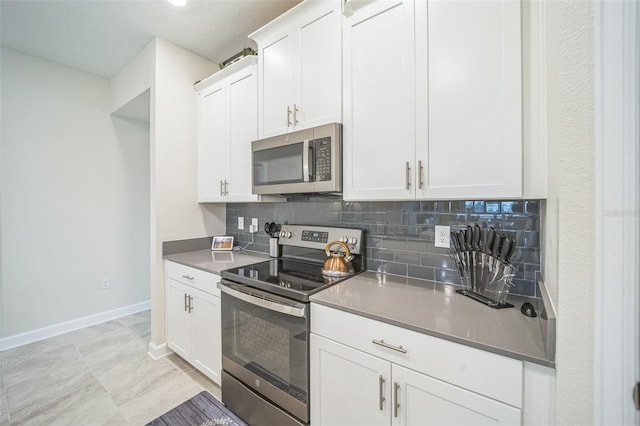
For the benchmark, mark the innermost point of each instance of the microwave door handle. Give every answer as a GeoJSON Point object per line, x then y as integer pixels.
{"type": "Point", "coordinates": [305, 160]}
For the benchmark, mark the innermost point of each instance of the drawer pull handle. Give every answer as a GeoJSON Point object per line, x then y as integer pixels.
{"type": "Point", "coordinates": [381, 385]}
{"type": "Point", "coordinates": [388, 346]}
{"type": "Point", "coordinates": [189, 277]}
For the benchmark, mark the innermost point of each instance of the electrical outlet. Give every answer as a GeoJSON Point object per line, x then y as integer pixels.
{"type": "Point", "coordinates": [105, 283]}
{"type": "Point", "coordinates": [240, 223]}
{"type": "Point", "coordinates": [443, 234]}
{"type": "Point", "coordinates": [253, 229]}
{"type": "Point", "coordinates": [254, 222]}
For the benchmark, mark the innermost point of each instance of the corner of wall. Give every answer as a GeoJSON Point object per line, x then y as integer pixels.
{"type": "Point", "coordinates": [135, 77]}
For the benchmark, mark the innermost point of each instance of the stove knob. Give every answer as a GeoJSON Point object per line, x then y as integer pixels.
{"type": "Point", "coordinates": [287, 234]}
{"type": "Point", "coordinates": [353, 240]}
{"type": "Point", "coordinates": [344, 239]}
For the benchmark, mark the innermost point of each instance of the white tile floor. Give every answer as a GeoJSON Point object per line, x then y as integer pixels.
{"type": "Point", "coordinates": [99, 375]}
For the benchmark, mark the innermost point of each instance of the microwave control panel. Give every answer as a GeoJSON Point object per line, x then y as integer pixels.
{"type": "Point", "coordinates": [322, 159]}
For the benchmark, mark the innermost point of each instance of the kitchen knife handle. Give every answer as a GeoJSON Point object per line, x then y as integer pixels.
{"type": "Point", "coordinates": [469, 237]}
{"type": "Point", "coordinates": [505, 247]}
{"type": "Point", "coordinates": [462, 239]}
{"type": "Point", "coordinates": [511, 250]}
{"type": "Point", "coordinates": [497, 243]}
{"type": "Point", "coordinates": [454, 240]}
{"type": "Point", "coordinates": [491, 237]}
{"type": "Point", "coordinates": [476, 237]}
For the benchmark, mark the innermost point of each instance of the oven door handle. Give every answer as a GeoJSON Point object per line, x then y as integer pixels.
{"type": "Point", "coordinates": [257, 299]}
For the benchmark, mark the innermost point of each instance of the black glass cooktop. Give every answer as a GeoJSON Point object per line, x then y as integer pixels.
{"type": "Point", "coordinates": [287, 277]}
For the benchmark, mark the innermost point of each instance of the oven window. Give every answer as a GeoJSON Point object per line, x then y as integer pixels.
{"type": "Point", "coordinates": [272, 345]}
{"type": "Point", "coordinates": [278, 165]}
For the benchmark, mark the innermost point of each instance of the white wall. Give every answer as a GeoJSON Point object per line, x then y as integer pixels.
{"type": "Point", "coordinates": [75, 185]}
{"type": "Point", "coordinates": [570, 213]}
{"type": "Point", "coordinates": [134, 78]}
{"type": "Point", "coordinates": [176, 213]}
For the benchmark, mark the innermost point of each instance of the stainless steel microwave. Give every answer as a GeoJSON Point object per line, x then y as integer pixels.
{"type": "Point", "coordinates": [302, 162]}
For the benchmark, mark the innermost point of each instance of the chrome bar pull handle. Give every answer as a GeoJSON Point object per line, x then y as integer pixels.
{"type": "Point", "coordinates": [381, 386]}
{"type": "Point", "coordinates": [396, 405]}
{"type": "Point", "coordinates": [408, 176]}
{"type": "Point", "coordinates": [226, 187]}
{"type": "Point", "coordinates": [288, 116]}
{"type": "Point", "coordinates": [305, 161]}
{"type": "Point", "coordinates": [420, 175]}
{"type": "Point", "coordinates": [190, 304]}
{"type": "Point", "coordinates": [185, 302]}
{"type": "Point", "coordinates": [295, 114]}
{"type": "Point", "coordinates": [388, 346]}
{"type": "Point", "coordinates": [221, 190]}
{"type": "Point", "coordinates": [189, 277]}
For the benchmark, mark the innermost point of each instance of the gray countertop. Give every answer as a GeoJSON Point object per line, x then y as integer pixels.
{"type": "Point", "coordinates": [216, 261]}
{"type": "Point", "coordinates": [436, 309]}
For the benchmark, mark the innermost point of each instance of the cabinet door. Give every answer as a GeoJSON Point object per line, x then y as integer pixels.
{"type": "Point", "coordinates": [318, 82]}
{"type": "Point", "coordinates": [378, 101]}
{"type": "Point", "coordinates": [423, 400]}
{"type": "Point", "coordinates": [346, 385]}
{"type": "Point", "coordinates": [275, 95]}
{"type": "Point", "coordinates": [469, 98]}
{"type": "Point", "coordinates": [212, 142]}
{"type": "Point", "coordinates": [207, 345]}
{"type": "Point", "coordinates": [243, 128]}
{"type": "Point", "coordinates": [179, 325]}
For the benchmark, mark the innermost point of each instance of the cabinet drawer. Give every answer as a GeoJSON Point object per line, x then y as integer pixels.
{"type": "Point", "coordinates": [205, 281]}
{"type": "Point", "coordinates": [489, 374]}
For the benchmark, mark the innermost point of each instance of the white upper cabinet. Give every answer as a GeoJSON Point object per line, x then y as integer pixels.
{"type": "Point", "coordinates": [469, 108]}
{"type": "Point", "coordinates": [432, 100]}
{"type": "Point", "coordinates": [227, 124]}
{"type": "Point", "coordinates": [212, 143]}
{"type": "Point", "coordinates": [379, 94]}
{"type": "Point", "coordinates": [299, 68]}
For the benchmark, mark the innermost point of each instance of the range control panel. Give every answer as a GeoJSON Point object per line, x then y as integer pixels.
{"type": "Point", "coordinates": [317, 237]}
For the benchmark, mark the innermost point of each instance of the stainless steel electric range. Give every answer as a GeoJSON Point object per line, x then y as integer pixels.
{"type": "Point", "coordinates": [265, 323]}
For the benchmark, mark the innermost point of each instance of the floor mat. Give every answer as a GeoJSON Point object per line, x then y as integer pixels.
{"type": "Point", "coordinates": [201, 410]}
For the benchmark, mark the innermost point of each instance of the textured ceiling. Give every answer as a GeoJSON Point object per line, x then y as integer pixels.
{"type": "Point", "coordinates": [101, 36]}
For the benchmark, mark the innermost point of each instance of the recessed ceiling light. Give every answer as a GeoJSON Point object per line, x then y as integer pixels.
{"type": "Point", "coordinates": [178, 2]}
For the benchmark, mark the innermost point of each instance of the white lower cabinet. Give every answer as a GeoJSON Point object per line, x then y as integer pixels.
{"type": "Point", "coordinates": [193, 318]}
{"type": "Point", "coordinates": [352, 385]}
{"type": "Point", "coordinates": [422, 400]}
{"type": "Point", "coordinates": [347, 385]}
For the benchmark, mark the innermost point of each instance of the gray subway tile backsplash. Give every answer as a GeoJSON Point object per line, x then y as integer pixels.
{"type": "Point", "coordinates": [400, 235]}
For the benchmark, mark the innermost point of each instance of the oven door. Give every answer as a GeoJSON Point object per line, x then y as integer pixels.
{"type": "Point", "coordinates": [265, 345]}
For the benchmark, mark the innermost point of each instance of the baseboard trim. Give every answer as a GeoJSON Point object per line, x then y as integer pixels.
{"type": "Point", "coordinates": [25, 338]}
{"type": "Point", "coordinates": [158, 351]}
